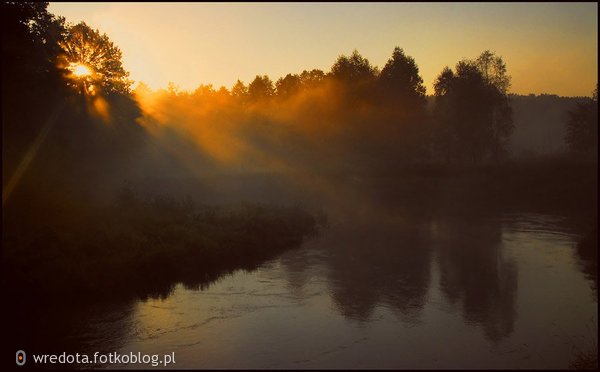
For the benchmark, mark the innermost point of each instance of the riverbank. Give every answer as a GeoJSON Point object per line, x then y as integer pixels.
{"type": "Point", "coordinates": [544, 186]}
{"type": "Point", "coordinates": [144, 247]}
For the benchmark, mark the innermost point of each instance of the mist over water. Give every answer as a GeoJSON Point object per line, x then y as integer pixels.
{"type": "Point", "coordinates": [418, 269]}
{"type": "Point", "coordinates": [380, 287]}
{"type": "Point", "coordinates": [329, 219]}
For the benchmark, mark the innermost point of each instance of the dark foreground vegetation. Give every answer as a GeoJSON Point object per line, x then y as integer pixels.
{"type": "Point", "coordinates": [142, 247]}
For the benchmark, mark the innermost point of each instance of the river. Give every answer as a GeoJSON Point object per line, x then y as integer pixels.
{"type": "Point", "coordinates": [378, 288]}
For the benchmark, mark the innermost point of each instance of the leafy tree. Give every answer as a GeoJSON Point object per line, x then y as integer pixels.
{"type": "Point", "coordinates": [288, 85]}
{"type": "Point", "coordinates": [30, 37]}
{"type": "Point", "coordinates": [443, 82]}
{"type": "Point", "coordinates": [239, 90]}
{"type": "Point", "coordinates": [582, 127]}
{"type": "Point", "coordinates": [493, 69]}
{"type": "Point", "coordinates": [261, 87]}
{"type": "Point", "coordinates": [356, 78]}
{"type": "Point", "coordinates": [312, 78]}
{"type": "Point", "coordinates": [73, 145]}
{"type": "Point", "coordinates": [223, 92]}
{"type": "Point", "coordinates": [400, 78]}
{"type": "Point", "coordinates": [470, 104]}
{"type": "Point", "coordinates": [402, 101]}
{"type": "Point", "coordinates": [87, 47]}
{"type": "Point", "coordinates": [354, 69]}
{"type": "Point", "coordinates": [443, 136]}
{"type": "Point", "coordinates": [472, 110]}
{"type": "Point", "coordinates": [30, 78]}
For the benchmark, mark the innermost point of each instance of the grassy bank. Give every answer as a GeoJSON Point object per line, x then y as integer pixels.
{"type": "Point", "coordinates": [142, 247]}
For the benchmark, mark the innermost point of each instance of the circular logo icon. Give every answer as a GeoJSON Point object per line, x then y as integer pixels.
{"type": "Point", "coordinates": [21, 358]}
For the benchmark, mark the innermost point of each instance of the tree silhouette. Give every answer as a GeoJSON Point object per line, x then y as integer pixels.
{"type": "Point", "coordinates": [239, 90]}
{"type": "Point", "coordinates": [30, 77]}
{"type": "Point", "coordinates": [312, 78]}
{"type": "Point", "coordinates": [401, 101]}
{"type": "Point", "coordinates": [443, 136]}
{"type": "Point", "coordinates": [260, 88]}
{"type": "Point", "coordinates": [84, 46]}
{"type": "Point", "coordinates": [472, 110]}
{"type": "Point", "coordinates": [493, 69]}
{"type": "Point", "coordinates": [66, 139]}
{"type": "Point", "coordinates": [355, 79]}
{"type": "Point", "coordinates": [30, 37]}
{"type": "Point", "coordinates": [400, 79]}
{"type": "Point", "coordinates": [354, 69]}
{"type": "Point", "coordinates": [443, 82]}
{"type": "Point", "coordinates": [288, 85]}
{"type": "Point", "coordinates": [582, 127]}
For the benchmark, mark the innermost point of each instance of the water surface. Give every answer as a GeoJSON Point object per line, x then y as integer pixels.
{"type": "Point", "coordinates": [391, 292]}
{"type": "Point", "coordinates": [387, 284]}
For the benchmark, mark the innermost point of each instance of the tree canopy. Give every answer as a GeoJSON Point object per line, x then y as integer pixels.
{"type": "Point", "coordinates": [86, 47]}
{"type": "Point", "coordinates": [582, 127]}
{"type": "Point", "coordinates": [63, 132]}
{"type": "Point", "coordinates": [472, 109]}
{"type": "Point", "coordinates": [400, 78]}
{"type": "Point", "coordinates": [239, 90]}
{"type": "Point", "coordinates": [261, 87]}
{"type": "Point", "coordinates": [288, 85]}
{"type": "Point", "coordinates": [353, 69]}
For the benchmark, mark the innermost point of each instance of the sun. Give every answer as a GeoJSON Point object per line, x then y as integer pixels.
{"type": "Point", "coordinates": [80, 70]}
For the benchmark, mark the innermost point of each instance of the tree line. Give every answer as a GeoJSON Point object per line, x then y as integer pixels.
{"type": "Point", "coordinates": [471, 119]}
{"type": "Point", "coordinates": [368, 116]}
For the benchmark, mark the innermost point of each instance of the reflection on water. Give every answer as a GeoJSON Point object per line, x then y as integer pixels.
{"type": "Point", "coordinates": [379, 288]}
{"type": "Point", "coordinates": [476, 273]}
{"type": "Point", "coordinates": [491, 292]}
{"type": "Point", "coordinates": [379, 263]}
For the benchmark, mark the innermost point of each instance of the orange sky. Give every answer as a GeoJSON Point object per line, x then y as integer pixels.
{"type": "Point", "coordinates": [548, 47]}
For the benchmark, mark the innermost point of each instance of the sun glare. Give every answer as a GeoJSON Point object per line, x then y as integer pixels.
{"type": "Point", "coordinates": [80, 70]}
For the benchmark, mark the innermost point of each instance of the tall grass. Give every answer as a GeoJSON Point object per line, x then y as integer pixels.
{"type": "Point", "coordinates": [144, 246]}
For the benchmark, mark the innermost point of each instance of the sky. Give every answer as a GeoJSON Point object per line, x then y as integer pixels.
{"type": "Point", "coordinates": [548, 47]}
